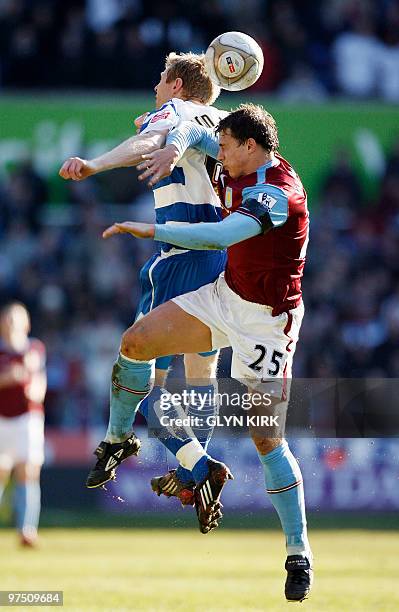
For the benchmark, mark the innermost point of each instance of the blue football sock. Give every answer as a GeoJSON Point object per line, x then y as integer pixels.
{"type": "Point", "coordinates": [200, 469]}
{"type": "Point", "coordinates": [161, 414]}
{"type": "Point", "coordinates": [202, 405]}
{"type": "Point", "coordinates": [27, 505]}
{"type": "Point", "coordinates": [146, 407]}
{"type": "Point", "coordinates": [185, 476]}
{"type": "Point", "coordinates": [131, 382]}
{"type": "Point", "coordinates": [284, 484]}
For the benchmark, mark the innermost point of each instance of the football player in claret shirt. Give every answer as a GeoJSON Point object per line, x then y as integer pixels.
{"type": "Point", "coordinates": [255, 306]}
{"type": "Point", "coordinates": [22, 391]}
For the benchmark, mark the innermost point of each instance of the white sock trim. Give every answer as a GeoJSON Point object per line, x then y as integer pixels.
{"type": "Point", "coordinates": [189, 454]}
{"type": "Point", "coordinates": [298, 550]}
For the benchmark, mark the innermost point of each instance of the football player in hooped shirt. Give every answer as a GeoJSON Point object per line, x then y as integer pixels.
{"type": "Point", "coordinates": [256, 305]}
{"type": "Point", "coordinates": [184, 92]}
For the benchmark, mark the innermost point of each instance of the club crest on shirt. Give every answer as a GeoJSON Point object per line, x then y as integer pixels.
{"type": "Point", "coordinates": [162, 115]}
{"type": "Point", "coordinates": [228, 197]}
{"type": "Point", "coordinates": [267, 200]}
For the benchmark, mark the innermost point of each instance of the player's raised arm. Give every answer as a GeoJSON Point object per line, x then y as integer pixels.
{"type": "Point", "coordinates": [128, 153]}
{"type": "Point", "coordinates": [158, 164]}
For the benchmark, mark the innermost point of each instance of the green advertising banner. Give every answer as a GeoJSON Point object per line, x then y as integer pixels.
{"type": "Point", "coordinates": [48, 129]}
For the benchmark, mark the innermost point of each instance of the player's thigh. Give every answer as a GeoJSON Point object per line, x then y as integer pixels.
{"type": "Point", "coordinates": [200, 367]}
{"type": "Point", "coordinates": [166, 330]}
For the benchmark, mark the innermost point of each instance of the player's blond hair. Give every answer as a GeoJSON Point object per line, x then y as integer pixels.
{"type": "Point", "coordinates": [190, 68]}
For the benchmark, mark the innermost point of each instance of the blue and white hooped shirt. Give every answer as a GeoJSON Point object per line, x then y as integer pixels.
{"type": "Point", "coordinates": [187, 195]}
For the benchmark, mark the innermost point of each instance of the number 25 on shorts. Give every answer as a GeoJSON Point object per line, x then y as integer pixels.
{"type": "Point", "coordinates": [275, 361]}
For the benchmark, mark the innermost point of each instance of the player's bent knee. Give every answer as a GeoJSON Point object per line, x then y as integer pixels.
{"type": "Point", "coordinates": [135, 345]}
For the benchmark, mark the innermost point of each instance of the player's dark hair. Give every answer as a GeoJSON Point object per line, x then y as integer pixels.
{"type": "Point", "coordinates": [251, 121]}
{"type": "Point", "coordinates": [190, 68]}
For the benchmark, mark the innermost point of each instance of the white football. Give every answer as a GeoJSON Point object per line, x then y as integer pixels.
{"type": "Point", "coordinates": [234, 61]}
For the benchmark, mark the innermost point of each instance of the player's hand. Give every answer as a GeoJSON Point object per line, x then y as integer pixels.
{"type": "Point", "coordinates": [158, 164]}
{"type": "Point", "coordinates": [138, 122]}
{"type": "Point", "coordinates": [139, 230]}
{"type": "Point", "coordinates": [77, 169]}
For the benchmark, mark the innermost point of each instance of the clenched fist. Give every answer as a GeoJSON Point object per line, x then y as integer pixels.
{"type": "Point", "coordinates": [77, 169]}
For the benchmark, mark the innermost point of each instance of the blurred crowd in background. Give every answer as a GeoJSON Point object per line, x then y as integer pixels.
{"type": "Point", "coordinates": [312, 49]}
{"type": "Point", "coordinates": [82, 291]}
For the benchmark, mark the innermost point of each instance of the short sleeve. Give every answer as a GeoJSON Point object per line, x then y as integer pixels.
{"type": "Point", "coordinates": [265, 203]}
{"type": "Point", "coordinates": [165, 118]}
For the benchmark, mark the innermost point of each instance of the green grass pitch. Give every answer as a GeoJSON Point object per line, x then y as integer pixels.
{"type": "Point", "coordinates": [144, 569]}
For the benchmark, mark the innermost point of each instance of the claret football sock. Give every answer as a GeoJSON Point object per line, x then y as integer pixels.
{"type": "Point", "coordinates": [284, 485]}
{"type": "Point", "coordinates": [131, 382]}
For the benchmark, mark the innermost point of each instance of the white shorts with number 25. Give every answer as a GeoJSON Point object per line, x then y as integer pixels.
{"type": "Point", "coordinates": [263, 345]}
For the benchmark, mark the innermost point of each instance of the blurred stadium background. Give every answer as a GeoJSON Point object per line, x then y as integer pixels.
{"type": "Point", "coordinates": [73, 76]}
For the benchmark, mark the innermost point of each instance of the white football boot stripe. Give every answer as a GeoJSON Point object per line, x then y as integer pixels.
{"type": "Point", "coordinates": [112, 462]}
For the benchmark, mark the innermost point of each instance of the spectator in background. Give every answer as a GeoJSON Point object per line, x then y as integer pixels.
{"type": "Point", "coordinates": [302, 86]}
{"type": "Point", "coordinates": [22, 391]}
{"type": "Point", "coordinates": [389, 56]}
{"type": "Point", "coordinates": [356, 56]}
{"type": "Point", "coordinates": [347, 46]}
{"type": "Point", "coordinates": [23, 196]}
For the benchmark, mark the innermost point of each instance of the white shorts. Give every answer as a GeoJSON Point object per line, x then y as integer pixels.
{"type": "Point", "coordinates": [22, 440]}
{"type": "Point", "coordinates": [263, 345]}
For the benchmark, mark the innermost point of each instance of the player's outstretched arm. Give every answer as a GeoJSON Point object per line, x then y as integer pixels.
{"type": "Point", "coordinates": [211, 236]}
{"type": "Point", "coordinates": [139, 230]}
{"type": "Point", "coordinates": [77, 169]}
{"type": "Point", "coordinates": [128, 153]}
